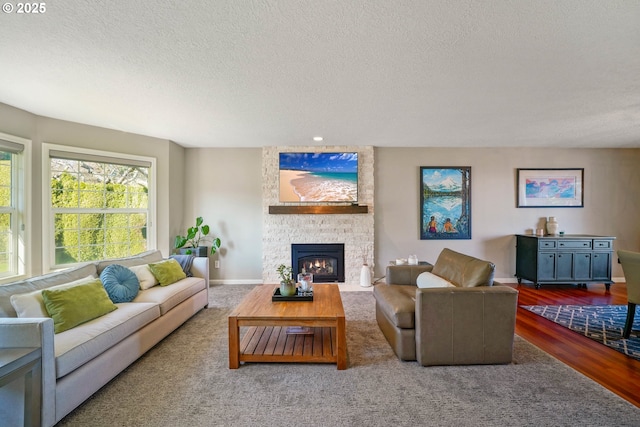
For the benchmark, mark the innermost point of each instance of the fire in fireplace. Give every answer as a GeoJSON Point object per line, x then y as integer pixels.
{"type": "Point", "coordinates": [318, 265]}
{"type": "Point", "coordinates": [324, 260]}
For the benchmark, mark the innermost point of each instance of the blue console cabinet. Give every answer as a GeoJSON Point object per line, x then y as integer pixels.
{"type": "Point", "coordinates": [569, 259]}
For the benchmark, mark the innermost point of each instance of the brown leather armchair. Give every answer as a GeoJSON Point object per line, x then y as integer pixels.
{"type": "Point", "coordinates": [470, 322]}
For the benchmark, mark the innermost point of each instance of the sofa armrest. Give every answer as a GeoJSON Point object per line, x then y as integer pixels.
{"type": "Point", "coordinates": [200, 268]}
{"type": "Point", "coordinates": [33, 332]}
{"type": "Point", "coordinates": [460, 326]}
{"type": "Point", "coordinates": [405, 274]}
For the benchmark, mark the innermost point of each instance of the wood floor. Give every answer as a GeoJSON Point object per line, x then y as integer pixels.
{"type": "Point", "coordinates": [613, 370]}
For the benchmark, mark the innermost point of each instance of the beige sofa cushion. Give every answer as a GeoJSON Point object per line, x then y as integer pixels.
{"type": "Point", "coordinates": [31, 304]}
{"type": "Point", "coordinates": [171, 295]}
{"type": "Point", "coordinates": [463, 270]}
{"type": "Point", "coordinates": [77, 346]}
{"type": "Point", "coordinates": [39, 283]}
{"type": "Point", "coordinates": [145, 276]}
{"type": "Point", "coordinates": [143, 258]}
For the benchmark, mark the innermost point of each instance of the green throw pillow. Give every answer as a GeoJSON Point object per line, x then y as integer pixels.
{"type": "Point", "coordinates": [71, 307]}
{"type": "Point", "coordinates": [167, 272]}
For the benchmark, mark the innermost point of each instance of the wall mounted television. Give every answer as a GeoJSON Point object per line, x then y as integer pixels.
{"type": "Point", "coordinates": [319, 177]}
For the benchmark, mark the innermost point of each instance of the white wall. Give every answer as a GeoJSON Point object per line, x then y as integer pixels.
{"type": "Point", "coordinates": [612, 200]}
{"type": "Point", "coordinates": [611, 186]}
{"type": "Point", "coordinates": [175, 180]}
{"type": "Point", "coordinates": [224, 186]}
{"type": "Point", "coordinates": [42, 129]}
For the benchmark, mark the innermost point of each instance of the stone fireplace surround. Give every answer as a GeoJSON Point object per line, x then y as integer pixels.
{"type": "Point", "coordinates": [280, 231]}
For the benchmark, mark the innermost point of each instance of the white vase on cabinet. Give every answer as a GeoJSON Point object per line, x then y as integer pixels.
{"type": "Point", "coordinates": [552, 226]}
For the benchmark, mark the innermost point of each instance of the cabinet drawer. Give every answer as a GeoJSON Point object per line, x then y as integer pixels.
{"type": "Point", "coordinates": [575, 244]}
{"type": "Point", "coordinates": [602, 244]}
{"type": "Point", "coordinates": [546, 244]}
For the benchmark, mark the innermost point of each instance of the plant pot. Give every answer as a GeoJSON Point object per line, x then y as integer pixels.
{"type": "Point", "coordinates": [287, 289]}
{"type": "Point", "coordinates": [200, 251]}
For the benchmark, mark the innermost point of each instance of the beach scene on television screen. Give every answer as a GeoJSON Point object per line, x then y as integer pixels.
{"type": "Point", "coordinates": [319, 177]}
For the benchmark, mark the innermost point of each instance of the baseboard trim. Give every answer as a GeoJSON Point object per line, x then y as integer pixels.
{"type": "Point", "coordinates": [259, 281]}
{"type": "Point", "coordinates": [235, 282]}
{"type": "Point", "coordinates": [514, 280]}
{"type": "Point", "coordinates": [507, 280]}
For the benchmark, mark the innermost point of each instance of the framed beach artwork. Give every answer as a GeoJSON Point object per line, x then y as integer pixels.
{"type": "Point", "coordinates": [319, 177]}
{"type": "Point", "coordinates": [445, 202]}
{"type": "Point", "coordinates": [551, 188]}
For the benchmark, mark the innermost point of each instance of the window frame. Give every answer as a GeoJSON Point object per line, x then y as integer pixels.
{"type": "Point", "coordinates": [21, 216]}
{"type": "Point", "coordinates": [49, 212]}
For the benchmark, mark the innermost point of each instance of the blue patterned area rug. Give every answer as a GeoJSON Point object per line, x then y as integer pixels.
{"type": "Point", "coordinates": [602, 323]}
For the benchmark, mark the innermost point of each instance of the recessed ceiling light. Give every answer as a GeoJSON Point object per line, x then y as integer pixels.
{"type": "Point", "coordinates": [317, 138]}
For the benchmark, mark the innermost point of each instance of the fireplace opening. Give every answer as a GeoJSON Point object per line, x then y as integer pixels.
{"type": "Point", "coordinates": [324, 260]}
{"type": "Point", "coordinates": [318, 265]}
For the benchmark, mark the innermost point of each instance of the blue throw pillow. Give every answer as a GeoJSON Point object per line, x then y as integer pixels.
{"type": "Point", "coordinates": [121, 284]}
{"type": "Point", "coordinates": [185, 261]}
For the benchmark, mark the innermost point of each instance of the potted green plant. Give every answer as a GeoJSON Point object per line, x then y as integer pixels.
{"type": "Point", "coordinates": [287, 285]}
{"type": "Point", "coordinates": [192, 243]}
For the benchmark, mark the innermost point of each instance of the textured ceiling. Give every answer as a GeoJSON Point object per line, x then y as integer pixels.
{"type": "Point", "coordinates": [210, 73]}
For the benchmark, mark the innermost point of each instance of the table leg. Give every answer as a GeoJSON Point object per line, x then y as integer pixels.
{"type": "Point", "coordinates": [234, 343]}
{"type": "Point", "coordinates": [341, 343]}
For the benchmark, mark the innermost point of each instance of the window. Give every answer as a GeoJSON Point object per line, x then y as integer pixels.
{"type": "Point", "coordinates": [100, 205]}
{"type": "Point", "coordinates": [12, 199]}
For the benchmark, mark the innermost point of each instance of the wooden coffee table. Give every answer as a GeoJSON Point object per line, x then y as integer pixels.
{"type": "Point", "coordinates": [267, 340]}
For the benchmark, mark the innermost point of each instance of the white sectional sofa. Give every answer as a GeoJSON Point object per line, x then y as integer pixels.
{"type": "Point", "coordinates": [79, 361]}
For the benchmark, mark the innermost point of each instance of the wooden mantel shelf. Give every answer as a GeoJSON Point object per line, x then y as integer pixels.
{"type": "Point", "coordinates": [318, 209]}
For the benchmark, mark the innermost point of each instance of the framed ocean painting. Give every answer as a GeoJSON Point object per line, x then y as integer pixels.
{"type": "Point", "coordinates": [318, 177]}
{"type": "Point", "coordinates": [445, 202]}
{"type": "Point", "coordinates": [546, 188]}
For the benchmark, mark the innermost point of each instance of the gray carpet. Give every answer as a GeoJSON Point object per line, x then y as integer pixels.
{"type": "Point", "coordinates": [185, 380]}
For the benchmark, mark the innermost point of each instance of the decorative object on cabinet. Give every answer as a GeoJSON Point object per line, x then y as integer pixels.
{"type": "Point", "coordinates": [552, 226]}
{"type": "Point", "coordinates": [445, 202]}
{"type": "Point", "coordinates": [570, 259]}
{"type": "Point", "coordinates": [559, 188]}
